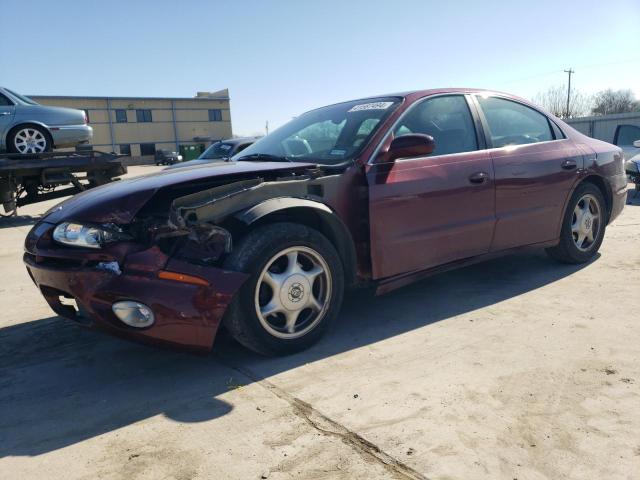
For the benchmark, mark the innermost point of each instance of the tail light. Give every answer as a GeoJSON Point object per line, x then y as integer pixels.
{"type": "Point", "coordinates": [86, 117]}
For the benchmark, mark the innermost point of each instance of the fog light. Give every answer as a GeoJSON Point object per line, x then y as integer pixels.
{"type": "Point", "coordinates": [134, 314]}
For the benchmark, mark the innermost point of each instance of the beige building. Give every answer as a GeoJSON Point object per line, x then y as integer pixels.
{"type": "Point", "coordinates": [138, 126]}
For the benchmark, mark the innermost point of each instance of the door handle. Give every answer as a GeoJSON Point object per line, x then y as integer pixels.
{"type": "Point", "coordinates": [479, 177]}
{"type": "Point", "coordinates": [569, 164]}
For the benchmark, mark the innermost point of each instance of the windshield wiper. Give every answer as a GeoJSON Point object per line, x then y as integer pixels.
{"type": "Point", "coordinates": [267, 157]}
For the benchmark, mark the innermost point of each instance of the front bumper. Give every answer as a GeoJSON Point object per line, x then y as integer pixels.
{"type": "Point", "coordinates": [186, 315]}
{"type": "Point", "coordinates": [71, 135]}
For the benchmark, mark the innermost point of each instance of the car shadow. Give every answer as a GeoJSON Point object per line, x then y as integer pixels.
{"type": "Point", "coordinates": [61, 384]}
{"type": "Point", "coordinates": [18, 221]}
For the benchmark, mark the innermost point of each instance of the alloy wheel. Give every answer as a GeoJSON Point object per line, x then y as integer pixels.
{"type": "Point", "coordinates": [293, 292]}
{"type": "Point", "coordinates": [586, 222]}
{"type": "Point", "coordinates": [30, 140]}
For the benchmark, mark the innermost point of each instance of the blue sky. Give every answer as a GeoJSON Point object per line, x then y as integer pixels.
{"type": "Point", "coordinates": [280, 58]}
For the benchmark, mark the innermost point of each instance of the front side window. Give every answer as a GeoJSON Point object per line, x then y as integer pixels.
{"type": "Point", "coordinates": [147, 149]}
{"type": "Point", "coordinates": [627, 134]}
{"type": "Point", "coordinates": [143, 115]}
{"type": "Point", "coordinates": [447, 119]}
{"type": "Point", "coordinates": [511, 123]}
{"type": "Point", "coordinates": [329, 135]}
{"type": "Point", "coordinates": [121, 115]}
{"type": "Point", "coordinates": [4, 101]}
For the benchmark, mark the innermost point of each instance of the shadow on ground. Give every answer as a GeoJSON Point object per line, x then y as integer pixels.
{"type": "Point", "coordinates": [61, 384]}
{"type": "Point", "coordinates": [18, 221]}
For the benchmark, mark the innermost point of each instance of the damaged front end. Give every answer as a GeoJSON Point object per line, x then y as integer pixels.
{"type": "Point", "coordinates": [201, 225]}
{"type": "Point", "coordinates": [160, 276]}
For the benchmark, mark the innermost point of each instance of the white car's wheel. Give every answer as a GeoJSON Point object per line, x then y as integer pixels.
{"type": "Point", "coordinates": [29, 139]}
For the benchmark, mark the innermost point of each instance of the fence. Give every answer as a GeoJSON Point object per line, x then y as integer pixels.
{"type": "Point", "coordinates": [604, 127]}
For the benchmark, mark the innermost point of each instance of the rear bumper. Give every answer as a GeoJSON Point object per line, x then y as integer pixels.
{"type": "Point", "coordinates": [186, 315]}
{"type": "Point", "coordinates": [619, 195]}
{"type": "Point", "coordinates": [70, 135]}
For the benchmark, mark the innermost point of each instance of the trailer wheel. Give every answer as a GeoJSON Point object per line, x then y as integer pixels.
{"type": "Point", "coordinates": [29, 139]}
{"type": "Point", "coordinates": [9, 194]}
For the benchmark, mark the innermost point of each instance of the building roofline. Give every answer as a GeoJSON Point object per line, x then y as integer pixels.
{"type": "Point", "coordinates": [90, 97]}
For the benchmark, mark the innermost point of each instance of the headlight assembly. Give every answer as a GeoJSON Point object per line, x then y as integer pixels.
{"type": "Point", "coordinates": [88, 236]}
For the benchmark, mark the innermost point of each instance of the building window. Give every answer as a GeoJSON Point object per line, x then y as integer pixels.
{"type": "Point", "coordinates": [215, 115]}
{"type": "Point", "coordinates": [143, 115]}
{"type": "Point", "coordinates": [147, 149]}
{"type": "Point", "coordinates": [125, 149]}
{"type": "Point", "coordinates": [121, 115]}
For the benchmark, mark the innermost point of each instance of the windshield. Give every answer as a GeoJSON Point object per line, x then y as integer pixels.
{"type": "Point", "coordinates": [22, 98]}
{"type": "Point", "coordinates": [216, 151]}
{"type": "Point", "coordinates": [328, 135]}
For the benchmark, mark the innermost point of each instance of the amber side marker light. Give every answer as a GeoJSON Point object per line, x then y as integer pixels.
{"type": "Point", "coordinates": [181, 277]}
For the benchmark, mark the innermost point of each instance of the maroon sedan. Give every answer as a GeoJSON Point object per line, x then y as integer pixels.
{"type": "Point", "coordinates": [380, 191]}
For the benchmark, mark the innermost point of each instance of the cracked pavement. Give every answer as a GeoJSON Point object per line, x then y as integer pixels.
{"type": "Point", "coordinates": [515, 368]}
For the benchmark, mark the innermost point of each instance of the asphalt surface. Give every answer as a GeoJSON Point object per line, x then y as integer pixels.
{"type": "Point", "coordinates": [515, 368]}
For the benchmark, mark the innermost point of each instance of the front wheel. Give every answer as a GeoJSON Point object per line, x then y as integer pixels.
{"type": "Point", "coordinates": [29, 139]}
{"type": "Point", "coordinates": [294, 290]}
{"type": "Point", "coordinates": [583, 226]}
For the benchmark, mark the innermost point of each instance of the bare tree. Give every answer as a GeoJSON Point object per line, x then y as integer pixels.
{"type": "Point", "coordinates": [554, 100]}
{"type": "Point", "coordinates": [614, 101]}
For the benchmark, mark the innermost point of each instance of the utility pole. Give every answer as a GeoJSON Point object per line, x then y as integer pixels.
{"type": "Point", "coordinates": [570, 71]}
{"type": "Point", "coordinates": [266, 127]}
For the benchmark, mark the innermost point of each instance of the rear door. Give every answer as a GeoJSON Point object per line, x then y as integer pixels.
{"type": "Point", "coordinates": [7, 111]}
{"type": "Point", "coordinates": [431, 210]}
{"type": "Point", "coordinates": [535, 170]}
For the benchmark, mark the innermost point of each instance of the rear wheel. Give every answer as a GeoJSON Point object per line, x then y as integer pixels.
{"type": "Point", "coordinates": [583, 226]}
{"type": "Point", "coordinates": [29, 139]}
{"type": "Point", "coordinates": [294, 290]}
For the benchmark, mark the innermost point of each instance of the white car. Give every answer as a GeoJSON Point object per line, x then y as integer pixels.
{"type": "Point", "coordinates": [28, 127]}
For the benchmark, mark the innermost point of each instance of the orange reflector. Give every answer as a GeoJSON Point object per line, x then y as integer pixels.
{"type": "Point", "coordinates": [181, 277]}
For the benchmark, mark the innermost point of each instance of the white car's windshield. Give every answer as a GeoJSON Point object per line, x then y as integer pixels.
{"type": "Point", "coordinates": [328, 135]}
{"type": "Point", "coordinates": [218, 150]}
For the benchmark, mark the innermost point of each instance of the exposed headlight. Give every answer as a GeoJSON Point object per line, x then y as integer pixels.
{"type": "Point", "coordinates": [179, 158]}
{"type": "Point", "coordinates": [87, 236]}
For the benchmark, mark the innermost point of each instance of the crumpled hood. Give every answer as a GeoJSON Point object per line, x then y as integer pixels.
{"type": "Point", "coordinates": [119, 202]}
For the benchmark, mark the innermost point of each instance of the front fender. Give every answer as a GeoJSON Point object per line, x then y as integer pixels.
{"type": "Point", "coordinates": [326, 220]}
{"type": "Point", "coordinates": [250, 215]}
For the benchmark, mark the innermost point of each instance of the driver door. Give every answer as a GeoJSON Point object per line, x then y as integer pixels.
{"type": "Point", "coordinates": [431, 210]}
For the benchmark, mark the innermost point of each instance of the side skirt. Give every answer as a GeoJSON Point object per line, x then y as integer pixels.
{"type": "Point", "coordinates": [389, 284]}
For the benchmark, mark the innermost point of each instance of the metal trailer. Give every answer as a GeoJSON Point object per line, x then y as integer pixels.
{"type": "Point", "coordinates": [31, 178]}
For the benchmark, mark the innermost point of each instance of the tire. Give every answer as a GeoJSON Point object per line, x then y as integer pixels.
{"type": "Point", "coordinates": [29, 139]}
{"type": "Point", "coordinates": [568, 249]}
{"type": "Point", "coordinates": [289, 289]}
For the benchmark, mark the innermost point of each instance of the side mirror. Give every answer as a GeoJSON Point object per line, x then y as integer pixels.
{"type": "Point", "coordinates": [636, 143]}
{"type": "Point", "coordinates": [411, 145]}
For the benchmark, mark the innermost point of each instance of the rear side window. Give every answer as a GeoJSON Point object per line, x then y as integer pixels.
{"type": "Point", "coordinates": [447, 119]}
{"type": "Point", "coordinates": [626, 135]}
{"type": "Point", "coordinates": [557, 133]}
{"type": "Point", "coordinates": [511, 123]}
